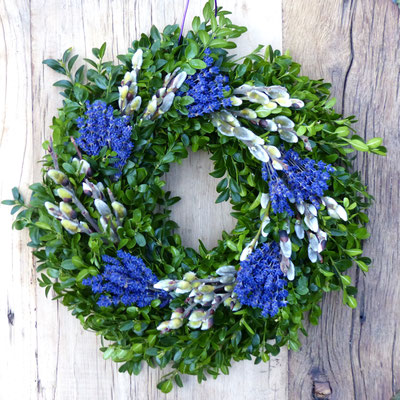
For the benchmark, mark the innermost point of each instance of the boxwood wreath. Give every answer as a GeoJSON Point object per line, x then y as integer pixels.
{"type": "Point", "coordinates": [100, 223]}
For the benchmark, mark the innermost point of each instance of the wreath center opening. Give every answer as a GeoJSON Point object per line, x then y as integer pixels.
{"type": "Point", "coordinates": [197, 214]}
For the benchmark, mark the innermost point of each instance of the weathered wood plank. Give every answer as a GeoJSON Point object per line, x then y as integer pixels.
{"type": "Point", "coordinates": [48, 352]}
{"type": "Point", "coordinates": [354, 44]}
{"type": "Point", "coordinates": [18, 280]}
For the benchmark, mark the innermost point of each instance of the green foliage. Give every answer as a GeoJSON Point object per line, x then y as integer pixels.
{"type": "Point", "coordinates": [148, 232]}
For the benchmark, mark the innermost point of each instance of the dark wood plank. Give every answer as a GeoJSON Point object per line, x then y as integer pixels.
{"type": "Point", "coordinates": [355, 45]}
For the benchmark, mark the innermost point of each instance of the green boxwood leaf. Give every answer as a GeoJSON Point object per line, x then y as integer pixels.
{"type": "Point", "coordinates": [43, 225]}
{"type": "Point", "coordinates": [374, 142]}
{"type": "Point", "coordinates": [353, 252]}
{"type": "Point", "coordinates": [364, 267]}
{"type": "Point", "coordinates": [68, 265]}
{"type": "Point", "coordinates": [351, 302]}
{"type": "Point", "coordinates": [223, 196]}
{"type": "Point", "coordinates": [126, 326]}
{"type": "Point", "coordinates": [221, 43]}
{"type": "Point", "coordinates": [140, 239]}
{"type": "Point", "coordinates": [151, 351]}
{"type": "Point", "coordinates": [342, 131]}
{"type": "Point", "coordinates": [8, 202]}
{"type": "Point", "coordinates": [55, 65]}
{"type": "Point", "coordinates": [204, 37]}
{"type": "Point", "coordinates": [15, 193]}
{"type": "Point", "coordinates": [63, 83]}
{"type": "Point", "coordinates": [101, 82]}
{"type": "Point", "coordinates": [359, 145]}
{"type": "Point", "coordinates": [197, 63]}
{"type": "Point", "coordinates": [165, 386]}
{"type": "Point", "coordinates": [196, 23]}
{"type": "Point", "coordinates": [191, 50]}
{"type": "Point", "coordinates": [178, 380]}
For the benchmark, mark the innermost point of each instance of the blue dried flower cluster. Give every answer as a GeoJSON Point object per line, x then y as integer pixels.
{"type": "Point", "coordinates": [100, 128]}
{"type": "Point", "coordinates": [279, 194]}
{"type": "Point", "coordinates": [125, 280]}
{"type": "Point", "coordinates": [260, 281]}
{"type": "Point", "coordinates": [207, 89]}
{"type": "Point", "coordinates": [303, 180]}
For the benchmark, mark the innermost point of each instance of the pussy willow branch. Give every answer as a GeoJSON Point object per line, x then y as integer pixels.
{"type": "Point", "coordinates": [53, 155]}
{"type": "Point", "coordinates": [76, 148]}
{"type": "Point", "coordinates": [217, 304]}
{"type": "Point", "coordinates": [83, 210]}
{"type": "Point", "coordinates": [112, 198]}
{"type": "Point", "coordinates": [76, 201]}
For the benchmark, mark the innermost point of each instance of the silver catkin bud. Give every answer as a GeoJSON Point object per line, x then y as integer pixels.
{"type": "Point", "coordinates": [67, 211]}
{"type": "Point", "coordinates": [65, 194]}
{"type": "Point", "coordinates": [53, 210]}
{"type": "Point", "coordinates": [58, 177]}
{"type": "Point", "coordinates": [119, 209]}
{"type": "Point", "coordinates": [102, 208]}
{"type": "Point", "coordinates": [137, 59]}
{"type": "Point", "coordinates": [167, 103]}
{"type": "Point", "coordinates": [177, 82]}
{"type": "Point", "coordinates": [70, 226]}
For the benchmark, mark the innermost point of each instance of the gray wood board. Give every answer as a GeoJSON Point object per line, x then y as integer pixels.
{"type": "Point", "coordinates": [355, 45]}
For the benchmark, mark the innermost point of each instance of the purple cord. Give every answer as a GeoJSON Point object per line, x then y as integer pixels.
{"type": "Point", "coordinates": [184, 17]}
{"type": "Point", "coordinates": [183, 21]}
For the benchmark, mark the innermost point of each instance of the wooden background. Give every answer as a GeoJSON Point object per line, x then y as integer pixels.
{"type": "Point", "coordinates": [352, 354]}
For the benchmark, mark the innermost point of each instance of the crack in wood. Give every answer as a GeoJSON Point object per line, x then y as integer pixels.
{"type": "Point", "coordinates": [346, 75]}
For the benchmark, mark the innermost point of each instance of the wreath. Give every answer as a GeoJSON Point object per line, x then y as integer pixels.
{"type": "Point", "coordinates": [100, 223]}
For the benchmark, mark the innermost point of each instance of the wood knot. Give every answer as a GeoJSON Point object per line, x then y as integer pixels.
{"type": "Point", "coordinates": [321, 386]}
{"type": "Point", "coordinates": [322, 390]}
{"type": "Point", "coordinates": [10, 317]}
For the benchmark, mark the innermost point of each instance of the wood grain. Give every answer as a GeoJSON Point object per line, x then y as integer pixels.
{"type": "Point", "coordinates": [355, 45]}
{"type": "Point", "coordinates": [18, 280]}
{"type": "Point", "coordinates": [47, 351]}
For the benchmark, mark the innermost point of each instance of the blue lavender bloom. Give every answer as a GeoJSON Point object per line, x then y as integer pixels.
{"type": "Point", "coordinates": [279, 193]}
{"type": "Point", "coordinates": [306, 178]}
{"type": "Point", "coordinates": [208, 60]}
{"type": "Point", "coordinates": [303, 180]}
{"type": "Point", "coordinates": [260, 281]}
{"type": "Point", "coordinates": [207, 89]}
{"type": "Point", "coordinates": [100, 128]}
{"type": "Point", "coordinates": [227, 103]}
{"type": "Point", "coordinates": [125, 280]}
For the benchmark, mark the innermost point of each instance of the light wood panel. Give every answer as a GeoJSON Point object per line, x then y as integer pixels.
{"type": "Point", "coordinates": [18, 279]}
{"type": "Point", "coordinates": [48, 354]}
{"type": "Point", "coordinates": [355, 45]}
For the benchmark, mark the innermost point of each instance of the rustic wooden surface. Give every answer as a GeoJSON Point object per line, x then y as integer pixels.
{"type": "Point", "coordinates": [352, 354]}
{"type": "Point", "coordinates": [46, 353]}
{"type": "Point", "coordinates": [355, 45]}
